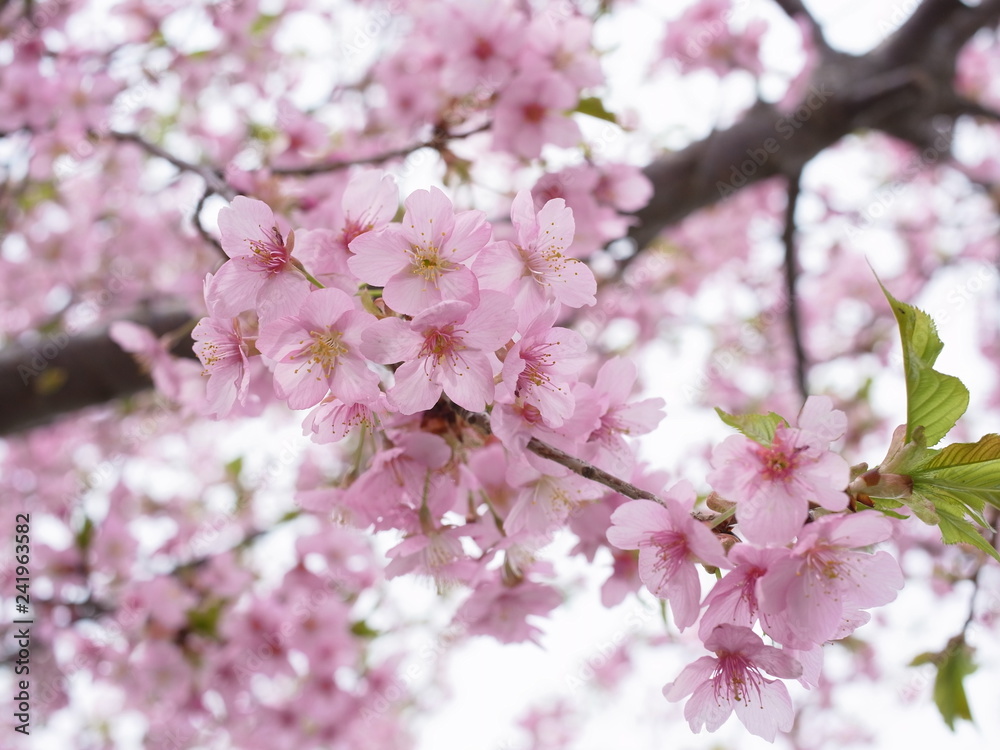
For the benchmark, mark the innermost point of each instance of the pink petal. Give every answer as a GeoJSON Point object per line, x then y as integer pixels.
{"type": "Point", "coordinates": [413, 390]}
{"type": "Point", "coordinates": [772, 713]}
{"type": "Point", "coordinates": [379, 255]}
{"type": "Point", "coordinates": [245, 218]}
{"type": "Point", "coordinates": [470, 383]}
{"type": "Point", "coordinates": [490, 325]}
{"type": "Point", "coordinates": [391, 340]}
{"type": "Point", "coordinates": [634, 521]}
{"type": "Point", "coordinates": [693, 675]}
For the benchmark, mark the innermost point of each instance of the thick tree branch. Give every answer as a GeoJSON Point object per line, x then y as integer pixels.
{"type": "Point", "coordinates": [62, 373]}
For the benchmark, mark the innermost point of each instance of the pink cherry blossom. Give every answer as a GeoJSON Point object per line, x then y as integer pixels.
{"type": "Point", "coordinates": [448, 347]}
{"type": "Point", "coordinates": [259, 273]}
{"type": "Point", "coordinates": [548, 494]}
{"type": "Point", "coordinates": [606, 446]}
{"type": "Point", "coordinates": [420, 262]}
{"type": "Point", "coordinates": [222, 350]}
{"type": "Point", "coordinates": [318, 351]}
{"type": "Point", "coordinates": [772, 485]}
{"type": "Point", "coordinates": [535, 270]}
{"type": "Point", "coordinates": [733, 679]}
{"type": "Point", "coordinates": [501, 611]}
{"type": "Point", "coordinates": [671, 544]}
{"type": "Point", "coordinates": [538, 368]}
{"type": "Point", "coordinates": [333, 419]}
{"type": "Point", "coordinates": [733, 599]}
{"type": "Point", "coordinates": [531, 113]}
{"type": "Point", "coordinates": [807, 597]}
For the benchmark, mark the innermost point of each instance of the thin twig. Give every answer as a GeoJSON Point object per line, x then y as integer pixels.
{"type": "Point", "coordinates": [211, 177]}
{"type": "Point", "coordinates": [202, 230]}
{"type": "Point", "coordinates": [589, 471]}
{"type": "Point", "coordinates": [975, 578]}
{"type": "Point", "coordinates": [791, 275]}
{"type": "Point", "coordinates": [436, 142]}
{"type": "Point", "coordinates": [481, 423]}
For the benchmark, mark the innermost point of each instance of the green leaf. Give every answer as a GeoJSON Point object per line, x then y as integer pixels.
{"type": "Point", "coordinates": [593, 106]}
{"type": "Point", "coordinates": [887, 507]}
{"type": "Point", "coordinates": [758, 427]}
{"type": "Point", "coordinates": [962, 478]}
{"type": "Point", "coordinates": [954, 665]}
{"type": "Point", "coordinates": [205, 621]}
{"type": "Point", "coordinates": [933, 400]}
{"type": "Point", "coordinates": [967, 469]}
{"type": "Point", "coordinates": [956, 529]}
{"type": "Point", "coordinates": [364, 630]}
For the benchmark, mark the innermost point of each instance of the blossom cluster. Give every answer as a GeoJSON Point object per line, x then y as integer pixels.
{"type": "Point", "coordinates": [801, 577]}
{"type": "Point", "coordinates": [411, 331]}
{"type": "Point", "coordinates": [404, 331]}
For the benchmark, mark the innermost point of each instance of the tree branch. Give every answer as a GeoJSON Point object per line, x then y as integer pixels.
{"type": "Point", "coordinates": [791, 275]}
{"type": "Point", "coordinates": [481, 423]}
{"type": "Point", "coordinates": [213, 180]}
{"type": "Point", "coordinates": [436, 142]}
{"type": "Point", "coordinates": [63, 373]}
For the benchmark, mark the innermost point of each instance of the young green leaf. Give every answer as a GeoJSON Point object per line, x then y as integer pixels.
{"type": "Point", "coordinates": [969, 472]}
{"type": "Point", "coordinates": [933, 400]}
{"type": "Point", "coordinates": [758, 427]}
{"type": "Point", "coordinates": [954, 665]}
{"type": "Point", "coordinates": [593, 106]}
{"type": "Point", "coordinates": [955, 528]}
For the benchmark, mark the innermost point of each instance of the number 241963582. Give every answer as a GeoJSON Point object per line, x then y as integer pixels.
{"type": "Point", "coordinates": [22, 556]}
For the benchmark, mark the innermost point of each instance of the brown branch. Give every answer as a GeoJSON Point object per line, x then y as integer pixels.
{"type": "Point", "coordinates": [795, 8]}
{"type": "Point", "coordinates": [62, 373]}
{"type": "Point", "coordinates": [436, 142]}
{"type": "Point", "coordinates": [589, 471]}
{"type": "Point", "coordinates": [213, 179]}
{"type": "Point", "coordinates": [791, 275]}
{"type": "Point", "coordinates": [202, 230]}
{"type": "Point", "coordinates": [481, 423]}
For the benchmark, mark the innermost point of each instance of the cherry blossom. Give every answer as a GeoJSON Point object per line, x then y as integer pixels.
{"type": "Point", "coordinates": [773, 485]}
{"type": "Point", "coordinates": [260, 273]}
{"type": "Point", "coordinates": [318, 351]}
{"type": "Point", "coordinates": [538, 369]}
{"type": "Point", "coordinates": [671, 545]}
{"type": "Point", "coordinates": [447, 347]}
{"type": "Point", "coordinates": [734, 679]}
{"type": "Point", "coordinates": [531, 113]}
{"type": "Point", "coordinates": [816, 593]}
{"type": "Point", "coordinates": [420, 262]}
{"type": "Point", "coordinates": [535, 271]}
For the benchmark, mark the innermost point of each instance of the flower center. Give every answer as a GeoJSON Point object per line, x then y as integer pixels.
{"type": "Point", "coordinates": [671, 550]}
{"type": "Point", "coordinates": [427, 263]}
{"type": "Point", "coordinates": [735, 676]}
{"type": "Point", "coordinates": [777, 464]}
{"type": "Point", "coordinates": [441, 343]}
{"type": "Point", "coordinates": [270, 255]}
{"type": "Point", "coordinates": [533, 113]}
{"type": "Point", "coordinates": [325, 349]}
